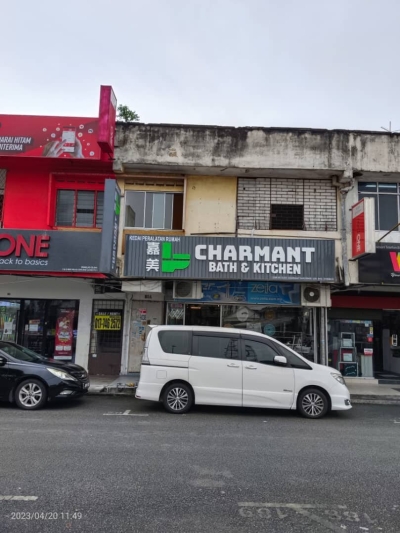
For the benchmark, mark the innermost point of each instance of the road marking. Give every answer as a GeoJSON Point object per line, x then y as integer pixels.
{"type": "Point", "coordinates": [397, 421]}
{"type": "Point", "coordinates": [19, 498]}
{"type": "Point", "coordinates": [318, 519]}
{"type": "Point", "coordinates": [333, 513]}
{"type": "Point", "coordinates": [292, 505]}
{"type": "Point", "coordinates": [125, 413]}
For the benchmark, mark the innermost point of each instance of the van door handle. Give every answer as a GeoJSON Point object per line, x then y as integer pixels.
{"type": "Point", "coordinates": [251, 367]}
{"type": "Point", "coordinates": [233, 365]}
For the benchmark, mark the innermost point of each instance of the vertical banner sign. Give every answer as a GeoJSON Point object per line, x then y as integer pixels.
{"type": "Point", "coordinates": [64, 334]}
{"type": "Point", "coordinates": [363, 228]}
{"type": "Point", "coordinates": [107, 116]}
{"type": "Point", "coordinates": [110, 231]}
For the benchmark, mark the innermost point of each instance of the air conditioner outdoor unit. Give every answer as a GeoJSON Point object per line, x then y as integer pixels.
{"type": "Point", "coordinates": [187, 290]}
{"type": "Point", "coordinates": [316, 295]}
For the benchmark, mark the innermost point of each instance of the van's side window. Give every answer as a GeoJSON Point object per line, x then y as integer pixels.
{"type": "Point", "coordinates": [293, 360]}
{"type": "Point", "coordinates": [218, 347]}
{"type": "Point", "coordinates": [174, 341]}
{"type": "Point", "coordinates": [258, 352]}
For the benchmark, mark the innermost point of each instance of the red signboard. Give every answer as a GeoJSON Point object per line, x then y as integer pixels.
{"type": "Point", "coordinates": [107, 116]}
{"type": "Point", "coordinates": [363, 228]}
{"type": "Point", "coordinates": [64, 334]}
{"type": "Point", "coordinates": [61, 137]}
{"type": "Point", "coordinates": [358, 229]}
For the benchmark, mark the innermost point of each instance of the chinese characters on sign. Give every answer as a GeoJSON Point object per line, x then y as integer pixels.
{"type": "Point", "coordinates": [152, 262]}
{"type": "Point", "coordinates": [229, 258]}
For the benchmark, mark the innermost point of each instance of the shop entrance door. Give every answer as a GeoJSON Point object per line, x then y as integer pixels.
{"type": "Point", "coordinates": [9, 319]}
{"type": "Point", "coordinates": [106, 337]}
{"type": "Point", "coordinates": [50, 327]}
{"type": "Point", "coordinates": [203, 315]}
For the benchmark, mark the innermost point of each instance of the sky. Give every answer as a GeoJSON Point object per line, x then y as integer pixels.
{"type": "Point", "coordinates": [272, 63]}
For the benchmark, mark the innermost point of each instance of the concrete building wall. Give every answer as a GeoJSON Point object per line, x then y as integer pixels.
{"type": "Point", "coordinates": [236, 151]}
{"type": "Point", "coordinates": [318, 196]}
{"type": "Point", "coordinates": [210, 205]}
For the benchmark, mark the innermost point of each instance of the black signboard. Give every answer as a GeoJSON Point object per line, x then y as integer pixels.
{"type": "Point", "coordinates": [49, 251]}
{"type": "Point", "coordinates": [229, 258]}
{"type": "Point", "coordinates": [383, 267]}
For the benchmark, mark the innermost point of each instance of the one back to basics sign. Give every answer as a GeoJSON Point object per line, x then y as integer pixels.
{"type": "Point", "coordinates": [149, 256]}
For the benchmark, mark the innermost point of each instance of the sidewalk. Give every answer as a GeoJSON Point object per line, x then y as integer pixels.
{"type": "Point", "coordinates": [369, 391]}
{"type": "Point", "coordinates": [365, 391]}
{"type": "Point", "coordinates": [113, 385]}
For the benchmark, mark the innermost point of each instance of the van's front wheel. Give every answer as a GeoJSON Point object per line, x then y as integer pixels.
{"type": "Point", "coordinates": [313, 403]}
{"type": "Point", "coordinates": [178, 398]}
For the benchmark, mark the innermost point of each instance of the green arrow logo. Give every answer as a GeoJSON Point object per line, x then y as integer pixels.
{"type": "Point", "coordinates": [171, 262]}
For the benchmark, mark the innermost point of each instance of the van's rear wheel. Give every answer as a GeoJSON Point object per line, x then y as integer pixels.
{"type": "Point", "coordinates": [313, 403]}
{"type": "Point", "coordinates": [178, 398]}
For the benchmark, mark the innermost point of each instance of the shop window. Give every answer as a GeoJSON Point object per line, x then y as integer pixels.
{"type": "Point", "coordinates": [81, 209]}
{"type": "Point", "coordinates": [153, 210]}
{"type": "Point", "coordinates": [216, 347]}
{"type": "Point", "coordinates": [287, 216]}
{"type": "Point", "coordinates": [293, 360]}
{"type": "Point", "coordinates": [386, 196]}
{"type": "Point", "coordinates": [175, 342]}
{"type": "Point", "coordinates": [259, 352]}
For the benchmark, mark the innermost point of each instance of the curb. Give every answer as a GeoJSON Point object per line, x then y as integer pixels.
{"type": "Point", "coordinates": [374, 399]}
{"type": "Point", "coordinates": [113, 391]}
{"type": "Point", "coordinates": [355, 398]}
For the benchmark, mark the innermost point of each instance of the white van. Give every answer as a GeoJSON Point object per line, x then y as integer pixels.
{"type": "Point", "coordinates": [186, 365]}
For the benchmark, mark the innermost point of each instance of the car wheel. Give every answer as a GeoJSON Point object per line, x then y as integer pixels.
{"type": "Point", "coordinates": [178, 398]}
{"type": "Point", "coordinates": [31, 394]}
{"type": "Point", "coordinates": [313, 403]}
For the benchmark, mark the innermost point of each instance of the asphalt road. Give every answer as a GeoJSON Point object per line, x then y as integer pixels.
{"type": "Point", "coordinates": [88, 469]}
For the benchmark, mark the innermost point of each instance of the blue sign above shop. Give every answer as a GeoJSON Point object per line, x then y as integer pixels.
{"type": "Point", "coordinates": [252, 292]}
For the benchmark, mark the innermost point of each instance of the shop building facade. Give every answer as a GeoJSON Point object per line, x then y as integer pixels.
{"type": "Point", "coordinates": [365, 315]}
{"type": "Point", "coordinates": [209, 237]}
{"type": "Point", "coordinates": [59, 293]}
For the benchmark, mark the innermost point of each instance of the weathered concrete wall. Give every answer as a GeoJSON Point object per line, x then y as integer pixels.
{"type": "Point", "coordinates": [228, 149]}
{"type": "Point", "coordinates": [210, 205]}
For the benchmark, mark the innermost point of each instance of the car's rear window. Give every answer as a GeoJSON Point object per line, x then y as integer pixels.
{"type": "Point", "coordinates": [175, 341]}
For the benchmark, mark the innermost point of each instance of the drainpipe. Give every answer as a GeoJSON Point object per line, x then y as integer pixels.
{"type": "Point", "coordinates": [344, 188]}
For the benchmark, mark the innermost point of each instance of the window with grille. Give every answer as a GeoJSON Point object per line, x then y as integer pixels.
{"type": "Point", "coordinates": [287, 216]}
{"type": "Point", "coordinates": [156, 210]}
{"type": "Point", "coordinates": [79, 208]}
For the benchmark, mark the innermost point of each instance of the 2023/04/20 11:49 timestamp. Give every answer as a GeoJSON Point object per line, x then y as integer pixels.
{"type": "Point", "coordinates": [54, 515]}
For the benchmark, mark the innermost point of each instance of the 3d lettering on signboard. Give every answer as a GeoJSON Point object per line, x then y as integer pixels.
{"type": "Point", "coordinates": [243, 258]}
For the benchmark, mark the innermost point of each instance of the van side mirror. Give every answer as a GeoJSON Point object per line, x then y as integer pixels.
{"type": "Point", "coordinates": [3, 360]}
{"type": "Point", "coordinates": [280, 360]}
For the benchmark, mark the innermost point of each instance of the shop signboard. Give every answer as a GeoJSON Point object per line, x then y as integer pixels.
{"type": "Point", "coordinates": [250, 292]}
{"type": "Point", "coordinates": [43, 136]}
{"type": "Point", "coordinates": [382, 267]}
{"type": "Point", "coordinates": [363, 228]}
{"type": "Point", "coordinates": [110, 231]}
{"type": "Point", "coordinates": [61, 137]}
{"type": "Point", "coordinates": [108, 321]}
{"type": "Point", "coordinates": [107, 116]}
{"type": "Point", "coordinates": [64, 251]}
{"type": "Point", "coordinates": [204, 258]}
{"type": "Point", "coordinates": [50, 251]}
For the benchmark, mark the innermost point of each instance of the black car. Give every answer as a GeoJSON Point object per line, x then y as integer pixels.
{"type": "Point", "coordinates": [30, 380]}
